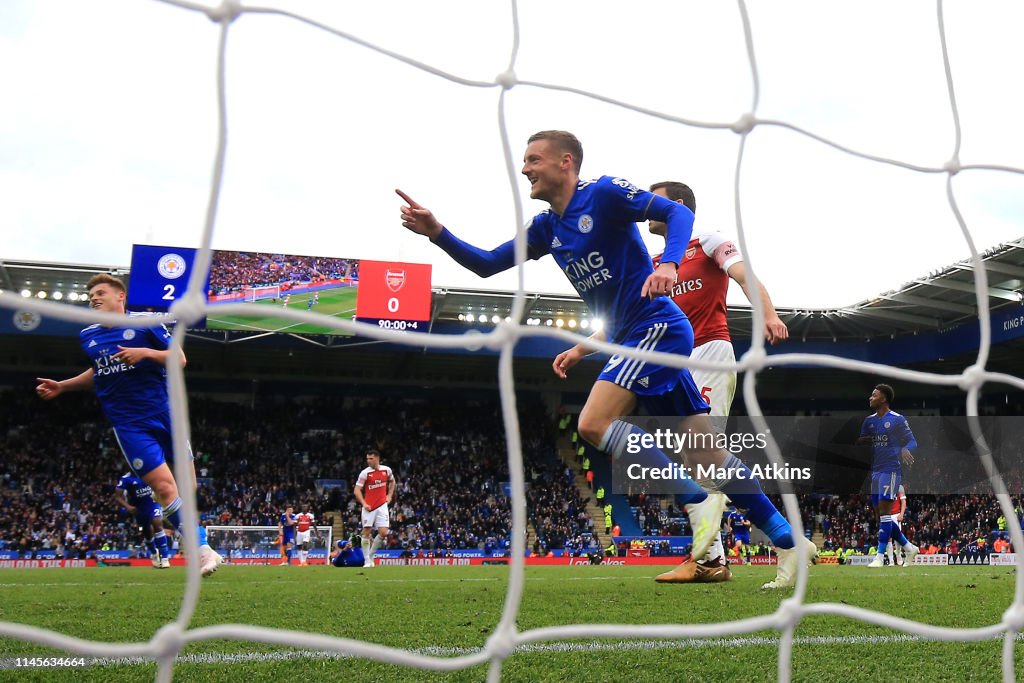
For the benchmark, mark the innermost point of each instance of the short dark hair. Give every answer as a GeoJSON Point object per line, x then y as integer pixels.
{"type": "Point", "coordinates": [676, 191]}
{"type": "Point", "coordinates": [886, 390]}
{"type": "Point", "coordinates": [565, 141]}
{"type": "Point", "coordinates": [373, 451]}
{"type": "Point", "coordinates": [105, 279]}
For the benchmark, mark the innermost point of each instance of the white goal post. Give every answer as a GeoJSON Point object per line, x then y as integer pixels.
{"type": "Point", "coordinates": [253, 294]}
{"type": "Point", "coordinates": [260, 544]}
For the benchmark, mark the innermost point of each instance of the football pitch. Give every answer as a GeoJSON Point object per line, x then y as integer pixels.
{"type": "Point", "coordinates": [339, 302]}
{"type": "Point", "coordinates": [451, 611]}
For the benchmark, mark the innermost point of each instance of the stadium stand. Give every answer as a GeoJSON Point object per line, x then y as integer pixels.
{"type": "Point", "coordinates": [62, 463]}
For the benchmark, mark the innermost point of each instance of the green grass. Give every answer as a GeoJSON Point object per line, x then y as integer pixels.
{"type": "Point", "coordinates": [456, 608]}
{"type": "Point", "coordinates": [339, 302]}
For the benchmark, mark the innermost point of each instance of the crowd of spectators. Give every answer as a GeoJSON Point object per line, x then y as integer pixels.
{"type": "Point", "coordinates": [61, 463]}
{"type": "Point", "coordinates": [557, 511]}
{"type": "Point", "coordinates": [951, 523]}
{"type": "Point", "coordinates": [232, 271]}
{"type": "Point", "coordinates": [658, 516]}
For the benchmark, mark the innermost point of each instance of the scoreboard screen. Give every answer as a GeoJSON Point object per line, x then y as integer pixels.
{"type": "Point", "coordinates": [159, 276]}
{"type": "Point", "coordinates": [394, 295]}
{"type": "Point", "coordinates": [390, 294]}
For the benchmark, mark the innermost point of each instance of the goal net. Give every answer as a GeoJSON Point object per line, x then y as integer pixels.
{"type": "Point", "coordinates": [261, 544]}
{"type": "Point", "coordinates": [253, 294]}
{"type": "Point", "coordinates": [507, 94]}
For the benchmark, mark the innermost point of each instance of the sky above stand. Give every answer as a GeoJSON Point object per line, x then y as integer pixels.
{"type": "Point", "coordinates": [108, 129]}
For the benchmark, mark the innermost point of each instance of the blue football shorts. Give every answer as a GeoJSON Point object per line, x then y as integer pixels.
{"type": "Point", "coordinates": [662, 390]}
{"type": "Point", "coordinates": [146, 444]}
{"type": "Point", "coordinates": [884, 485]}
{"type": "Point", "coordinates": [146, 512]}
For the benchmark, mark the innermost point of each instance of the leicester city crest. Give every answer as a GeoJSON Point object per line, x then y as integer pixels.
{"type": "Point", "coordinates": [586, 223]}
{"type": "Point", "coordinates": [26, 321]}
{"type": "Point", "coordinates": [171, 266]}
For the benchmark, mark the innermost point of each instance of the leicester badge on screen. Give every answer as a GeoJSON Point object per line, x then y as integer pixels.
{"type": "Point", "coordinates": [159, 276]}
{"type": "Point", "coordinates": [393, 291]}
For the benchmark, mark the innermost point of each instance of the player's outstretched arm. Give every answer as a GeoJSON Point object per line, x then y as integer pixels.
{"type": "Point", "coordinates": [484, 263]}
{"type": "Point", "coordinates": [419, 219]}
{"type": "Point", "coordinates": [50, 388]}
{"type": "Point", "coordinates": [774, 329]}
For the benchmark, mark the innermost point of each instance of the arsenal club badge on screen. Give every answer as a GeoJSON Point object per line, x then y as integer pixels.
{"type": "Point", "coordinates": [393, 294]}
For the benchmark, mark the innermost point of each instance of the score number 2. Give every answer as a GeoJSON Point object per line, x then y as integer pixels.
{"type": "Point", "coordinates": [168, 293]}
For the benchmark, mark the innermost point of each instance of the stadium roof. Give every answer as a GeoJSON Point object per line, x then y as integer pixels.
{"type": "Point", "coordinates": [937, 300]}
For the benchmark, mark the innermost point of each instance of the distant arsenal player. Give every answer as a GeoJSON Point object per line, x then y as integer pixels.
{"type": "Point", "coordinates": [303, 522]}
{"type": "Point", "coordinates": [375, 489]}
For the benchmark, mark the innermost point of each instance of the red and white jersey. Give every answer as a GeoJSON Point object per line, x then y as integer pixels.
{"type": "Point", "coordinates": [303, 521]}
{"type": "Point", "coordinates": [702, 282]}
{"type": "Point", "coordinates": [375, 485]}
{"type": "Point", "coordinates": [900, 504]}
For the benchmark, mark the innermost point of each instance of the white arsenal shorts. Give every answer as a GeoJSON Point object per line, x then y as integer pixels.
{"type": "Point", "coordinates": [376, 519]}
{"type": "Point", "coordinates": [716, 386]}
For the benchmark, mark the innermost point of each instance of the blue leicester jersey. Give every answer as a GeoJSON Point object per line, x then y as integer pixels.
{"type": "Point", "coordinates": [136, 491]}
{"type": "Point", "coordinates": [350, 556]}
{"type": "Point", "coordinates": [128, 392]}
{"type": "Point", "coordinates": [890, 434]}
{"type": "Point", "coordinates": [738, 520]}
{"type": "Point", "coordinates": [598, 246]}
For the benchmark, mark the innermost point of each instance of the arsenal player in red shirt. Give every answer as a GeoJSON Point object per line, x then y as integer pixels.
{"type": "Point", "coordinates": [375, 489]}
{"type": "Point", "coordinates": [702, 283]}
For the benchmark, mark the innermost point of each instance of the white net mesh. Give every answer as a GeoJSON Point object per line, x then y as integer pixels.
{"type": "Point", "coordinates": [166, 645]}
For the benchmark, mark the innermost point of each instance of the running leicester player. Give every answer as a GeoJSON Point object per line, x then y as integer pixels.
{"type": "Point", "coordinates": [135, 496]}
{"type": "Point", "coordinates": [129, 376]}
{"type": "Point", "coordinates": [590, 230]}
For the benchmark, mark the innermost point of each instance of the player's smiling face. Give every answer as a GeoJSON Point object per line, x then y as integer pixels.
{"type": "Point", "coordinates": [544, 166]}
{"type": "Point", "coordinates": [105, 297]}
